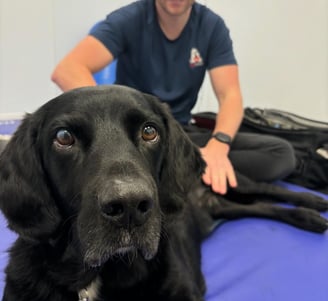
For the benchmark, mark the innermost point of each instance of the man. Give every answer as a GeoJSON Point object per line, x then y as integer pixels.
{"type": "Point", "coordinates": [164, 47]}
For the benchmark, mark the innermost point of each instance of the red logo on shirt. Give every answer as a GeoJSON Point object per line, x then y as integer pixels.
{"type": "Point", "coordinates": [195, 58]}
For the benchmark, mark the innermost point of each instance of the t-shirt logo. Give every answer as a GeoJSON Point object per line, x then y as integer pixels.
{"type": "Point", "coordinates": [195, 58]}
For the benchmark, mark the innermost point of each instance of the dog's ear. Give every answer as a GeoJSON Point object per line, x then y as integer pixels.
{"type": "Point", "coordinates": [182, 164]}
{"type": "Point", "coordinates": [25, 198]}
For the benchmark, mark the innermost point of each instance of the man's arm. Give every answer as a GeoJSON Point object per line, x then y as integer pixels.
{"type": "Point", "coordinates": [76, 68]}
{"type": "Point", "coordinates": [219, 171]}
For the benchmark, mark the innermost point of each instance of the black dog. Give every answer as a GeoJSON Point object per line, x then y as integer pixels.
{"type": "Point", "coordinates": [95, 183]}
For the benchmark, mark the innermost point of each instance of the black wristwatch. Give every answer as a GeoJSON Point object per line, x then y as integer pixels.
{"type": "Point", "coordinates": [222, 137]}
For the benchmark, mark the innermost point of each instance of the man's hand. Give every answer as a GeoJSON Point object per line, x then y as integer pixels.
{"type": "Point", "coordinates": [219, 171]}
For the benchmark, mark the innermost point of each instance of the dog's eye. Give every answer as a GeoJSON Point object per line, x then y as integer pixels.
{"type": "Point", "coordinates": [149, 133]}
{"type": "Point", "coordinates": [64, 138]}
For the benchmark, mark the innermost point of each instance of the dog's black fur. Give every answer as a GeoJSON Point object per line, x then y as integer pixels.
{"type": "Point", "coordinates": [95, 183]}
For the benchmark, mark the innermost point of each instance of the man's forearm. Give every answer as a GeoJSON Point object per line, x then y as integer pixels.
{"type": "Point", "coordinates": [229, 116]}
{"type": "Point", "coordinates": [69, 77]}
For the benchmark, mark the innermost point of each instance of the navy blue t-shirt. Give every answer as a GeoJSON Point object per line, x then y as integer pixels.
{"type": "Point", "coordinates": [171, 70]}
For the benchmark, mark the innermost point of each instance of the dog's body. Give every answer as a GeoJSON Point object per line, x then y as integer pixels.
{"type": "Point", "coordinates": [95, 183]}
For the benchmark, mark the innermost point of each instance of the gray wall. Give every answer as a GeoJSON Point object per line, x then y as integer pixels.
{"type": "Point", "coordinates": [281, 46]}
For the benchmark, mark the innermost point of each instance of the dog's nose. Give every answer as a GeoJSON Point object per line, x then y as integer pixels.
{"type": "Point", "coordinates": [127, 213]}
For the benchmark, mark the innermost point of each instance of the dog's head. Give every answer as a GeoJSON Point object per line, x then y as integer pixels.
{"type": "Point", "coordinates": [110, 162]}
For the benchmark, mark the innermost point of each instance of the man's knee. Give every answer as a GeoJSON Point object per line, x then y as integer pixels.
{"type": "Point", "coordinates": [283, 161]}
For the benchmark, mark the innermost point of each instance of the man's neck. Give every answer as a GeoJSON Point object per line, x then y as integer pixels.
{"type": "Point", "coordinates": [172, 25]}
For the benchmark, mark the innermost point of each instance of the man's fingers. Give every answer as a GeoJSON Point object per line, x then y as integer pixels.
{"type": "Point", "coordinates": [220, 179]}
{"type": "Point", "coordinates": [217, 180]}
{"type": "Point", "coordinates": [206, 177]}
{"type": "Point", "coordinates": [231, 176]}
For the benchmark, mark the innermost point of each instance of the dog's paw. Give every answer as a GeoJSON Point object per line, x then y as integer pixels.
{"type": "Point", "coordinates": [313, 201]}
{"type": "Point", "coordinates": [309, 220]}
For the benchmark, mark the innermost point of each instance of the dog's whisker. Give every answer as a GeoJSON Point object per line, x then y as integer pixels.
{"type": "Point", "coordinates": [132, 256]}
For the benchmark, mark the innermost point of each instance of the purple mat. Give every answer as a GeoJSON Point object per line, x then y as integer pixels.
{"type": "Point", "coordinates": [6, 239]}
{"type": "Point", "coordinates": [8, 126]}
{"type": "Point", "coordinates": [262, 260]}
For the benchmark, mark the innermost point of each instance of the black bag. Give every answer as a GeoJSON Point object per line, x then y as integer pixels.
{"type": "Point", "coordinates": [308, 137]}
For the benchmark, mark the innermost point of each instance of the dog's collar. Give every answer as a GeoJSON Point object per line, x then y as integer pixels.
{"type": "Point", "coordinates": [83, 295]}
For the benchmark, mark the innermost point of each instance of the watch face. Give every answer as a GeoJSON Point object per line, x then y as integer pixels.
{"type": "Point", "coordinates": [222, 138]}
